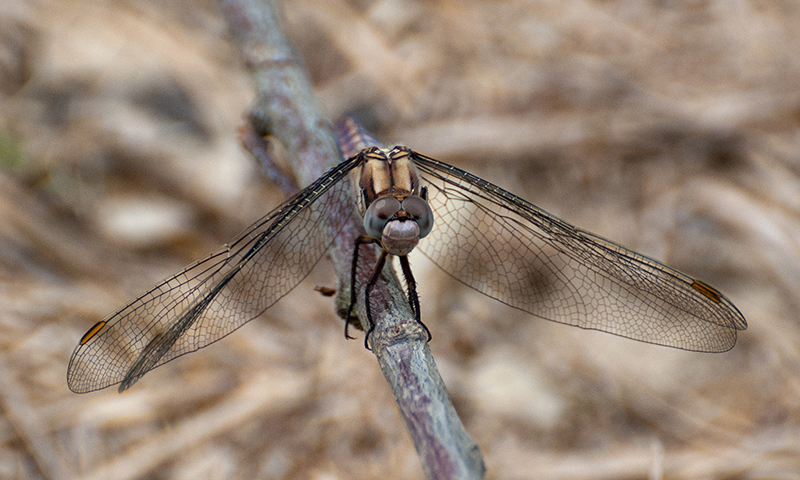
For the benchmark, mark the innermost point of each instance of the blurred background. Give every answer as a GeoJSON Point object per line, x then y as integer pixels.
{"type": "Point", "coordinates": [671, 127]}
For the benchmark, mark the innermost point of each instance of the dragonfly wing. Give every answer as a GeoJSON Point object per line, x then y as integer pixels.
{"type": "Point", "coordinates": [515, 252]}
{"type": "Point", "coordinates": [214, 296]}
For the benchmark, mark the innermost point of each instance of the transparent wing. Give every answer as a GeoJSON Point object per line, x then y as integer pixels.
{"type": "Point", "coordinates": [511, 250]}
{"type": "Point", "coordinates": [216, 295]}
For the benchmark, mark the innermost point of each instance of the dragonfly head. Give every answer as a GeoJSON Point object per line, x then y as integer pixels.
{"type": "Point", "coordinates": [399, 222]}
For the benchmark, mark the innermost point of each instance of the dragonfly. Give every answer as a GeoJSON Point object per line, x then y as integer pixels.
{"type": "Point", "coordinates": [482, 235]}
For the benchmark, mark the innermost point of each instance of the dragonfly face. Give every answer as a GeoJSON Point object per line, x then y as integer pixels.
{"type": "Point", "coordinates": [487, 238]}
{"type": "Point", "coordinates": [393, 204]}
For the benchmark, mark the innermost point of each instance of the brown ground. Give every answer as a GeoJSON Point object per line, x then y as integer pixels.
{"type": "Point", "coordinates": [672, 127]}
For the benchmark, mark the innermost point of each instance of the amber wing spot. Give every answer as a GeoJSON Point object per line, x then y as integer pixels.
{"type": "Point", "coordinates": [92, 331]}
{"type": "Point", "coordinates": [707, 291]}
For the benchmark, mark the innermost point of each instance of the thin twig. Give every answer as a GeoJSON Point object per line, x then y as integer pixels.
{"type": "Point", "coordinates": [286, 109]}
{"type": "Point", "coordinates": [260, 147]}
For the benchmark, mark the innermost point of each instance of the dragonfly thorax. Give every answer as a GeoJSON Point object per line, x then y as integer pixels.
{"type": "Point", "coordinates": [385, 172]}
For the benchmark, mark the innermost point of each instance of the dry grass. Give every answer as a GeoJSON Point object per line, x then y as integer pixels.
{"type": "Point", "coordinates": [672, 127]}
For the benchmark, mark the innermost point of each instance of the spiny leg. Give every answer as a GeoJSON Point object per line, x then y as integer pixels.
{"type": "Point", "coordinates": [411, 284]}
{"type": "Point", "coordinates": [413, 298]}
{"type": "Point", "coordinates": [360, 240]}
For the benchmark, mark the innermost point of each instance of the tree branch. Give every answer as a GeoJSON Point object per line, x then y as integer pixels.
{"type": "Point", "coordinates": [286, 109]}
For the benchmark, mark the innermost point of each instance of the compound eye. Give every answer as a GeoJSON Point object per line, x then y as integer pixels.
{"type": "Point", "coordinates": [421, 212]}
{"type": "Point", "coordinates": [378, 213]}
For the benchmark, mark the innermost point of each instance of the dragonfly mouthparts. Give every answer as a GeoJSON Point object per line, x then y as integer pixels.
{"type": "Point", "coordinates": [399, 237]}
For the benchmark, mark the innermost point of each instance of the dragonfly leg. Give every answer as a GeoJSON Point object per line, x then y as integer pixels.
{"type": "Point", "coordinates": [372, 281]}
{"type": "Point", "coordinates": [360, 240]}
{"type": "Point", "coordinates": [413, 298]}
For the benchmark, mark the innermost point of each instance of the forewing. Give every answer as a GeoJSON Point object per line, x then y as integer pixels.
{"type": "Point", "coordinates": [511, 250]}
{"type": "Point", "coordinates": [216, 295]}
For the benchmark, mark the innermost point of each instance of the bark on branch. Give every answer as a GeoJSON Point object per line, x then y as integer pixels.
{"type": "Point", "coordinates": [287, 109]}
